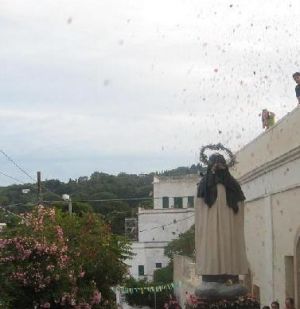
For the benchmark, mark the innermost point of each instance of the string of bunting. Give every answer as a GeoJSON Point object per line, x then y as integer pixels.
{"type": "Point", "coordinates": [156, 288]}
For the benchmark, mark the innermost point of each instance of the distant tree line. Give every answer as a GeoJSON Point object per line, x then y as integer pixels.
{"type": "Point", "coordinates": [98, 193]}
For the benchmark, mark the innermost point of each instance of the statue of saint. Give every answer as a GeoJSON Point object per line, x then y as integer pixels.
{"type": "Point", "coordinates": [219, 225]}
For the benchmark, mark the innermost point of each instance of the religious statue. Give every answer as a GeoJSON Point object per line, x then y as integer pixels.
{"type": "Point", "coordinates": [219, 228]}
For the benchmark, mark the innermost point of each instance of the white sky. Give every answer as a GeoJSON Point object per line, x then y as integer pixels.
{"type": "Point", "coordinates": [138, 86]}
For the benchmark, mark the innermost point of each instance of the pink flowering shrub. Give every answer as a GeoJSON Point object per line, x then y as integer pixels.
{"type": "Point", "coordinates": [53, 257]}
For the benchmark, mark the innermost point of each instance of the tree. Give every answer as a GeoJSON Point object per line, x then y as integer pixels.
{"type": "Point", "coordinates": [9, 218]}
{"type": "Point", "coordinates": [77, 207]}
{"type": "Point", "coordinates": [114, 191]}
{"type": "Point", "coordinates": [163, 275]}
{"type": "Point", "coordinates": [183, 245]}
{"type": "Point", "coordinates": [51, 256]}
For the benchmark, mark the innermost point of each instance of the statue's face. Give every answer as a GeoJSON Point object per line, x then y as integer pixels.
{"type": "Point", "coordinates": [218, 166]}
{"type": "Point", "coordinates": [221, 166]}
{"type": "Point", "coordinates": [217, 162]}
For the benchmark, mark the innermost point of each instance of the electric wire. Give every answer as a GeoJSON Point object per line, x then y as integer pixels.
{"type": "Point", "coordinates": [153, 228]}
{"type": "Point", "coordinates": [121, 199]}
{"type": "Point", "coordinates": [97, 200]}
{"type": "Point", "coordinates": [164, 225]}
{"type": "Point", "coordinates": [11, 177]}
{"type": "Point", "coordinates": [10, 212]}
{"type": "Point", "coordinates": [23, 171]}
{"type": "Point", "coordinates": [17, 165]}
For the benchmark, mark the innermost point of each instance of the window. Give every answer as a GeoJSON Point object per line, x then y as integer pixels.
{"type": "Point", "coordinates": [158, 265]}
{"type": "Point", "coordinates": [177, 202]}
{"type": "Point", "coordinates": [190, 203]}
{"type": "Point", "coordinates": [165, 202]}
{"type": "Point", "coordinates": [141, 270]}
{"type": "Point", "coordinates": [289, 276]}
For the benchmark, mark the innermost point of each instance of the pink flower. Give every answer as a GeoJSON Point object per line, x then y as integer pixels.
{"type": "Point", "coordinates": [81, 274]}
{"type": "Point", "coordinates": [96, 298]}
{"type": "Point", "coordinates": [50, 267]}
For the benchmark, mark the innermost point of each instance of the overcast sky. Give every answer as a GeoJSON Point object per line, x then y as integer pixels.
{"type": "Point", "coordinates": [138, 86]}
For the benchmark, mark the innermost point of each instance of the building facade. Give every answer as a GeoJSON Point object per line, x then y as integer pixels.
{"type": "Point", "coordinates": [269, 171]}
{"type": "Point", "coordinates": [172, 214]}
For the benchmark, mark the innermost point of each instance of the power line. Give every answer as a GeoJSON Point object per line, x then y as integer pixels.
{"type": "Point", "coordinates": [11, 177]}
{"type": "Point", "coordinates": [23, 171]}
{"type": "Point", "coordinates": [145, 230]}
{"type": "Point", "coordinates": [162, 226]}
{"type": "Point", "coordinates": [14, 163]}
{"type": "Point", "coordinates": [128, 199]}
{"type": "Point", "coordinates": [12, 205]}
{"type": "Point", "coordinates": [18, 204]}
{"type": "Point", "coordinates": [10, 212]}
{"type": "Point", "coordinates": [121, 199]}
{"type": "Point", "coordinates": [22, 183]}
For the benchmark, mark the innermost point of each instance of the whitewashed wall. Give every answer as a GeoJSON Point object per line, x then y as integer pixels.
{"type": "Point", "coordinates": [156, 229]}
{"type": "Point", "coordinates": [147, 254]}
{"type": "Point", "coordinates": [180, 186]}
{"type": "Point", "coordinates": [164, 224]}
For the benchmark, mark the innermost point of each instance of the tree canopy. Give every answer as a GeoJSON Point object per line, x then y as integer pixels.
{"type": "Point", "coordinates": [50, 256]}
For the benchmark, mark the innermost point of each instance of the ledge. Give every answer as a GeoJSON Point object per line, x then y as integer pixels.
{"type": "Point", "coordinates": [267, 167]}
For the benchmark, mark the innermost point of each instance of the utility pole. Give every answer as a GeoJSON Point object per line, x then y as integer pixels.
{"type": "Point", "coordinates": [39, 187]}
{"type": "Point", "coordinates": [70, 206]}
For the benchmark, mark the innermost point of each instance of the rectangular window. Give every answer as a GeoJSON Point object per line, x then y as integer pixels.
{"type": "Point", "coordinates": [190, 203]}
{"type": "Point", "coordinates": [158, 265]}
{"type": "Point", "coordinates": [177, 202]}
{"type": "Point", "coordinates": [289, 276]}
{"type": "Point", "coordinates": [165, 202]}
{"type": "Point", "coordinates": [141, 270]}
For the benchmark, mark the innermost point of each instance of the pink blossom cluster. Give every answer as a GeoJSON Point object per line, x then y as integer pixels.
{"type": "Point", "coordinates": [37, 218]}
{"type": "Point", "coordinates": [41, 256]}
{"type": "Point", "coordinates": [191, 299]}
{"type": "Point", "coordinates": [19, 249]}
{"type": "Point", "coordinates": [71, 300]}
{"type": "Point", "coordinates": [96, 298]}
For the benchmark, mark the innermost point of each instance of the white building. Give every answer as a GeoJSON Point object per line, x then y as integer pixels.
{"type": "Point", "coordinates": [173, 214]}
